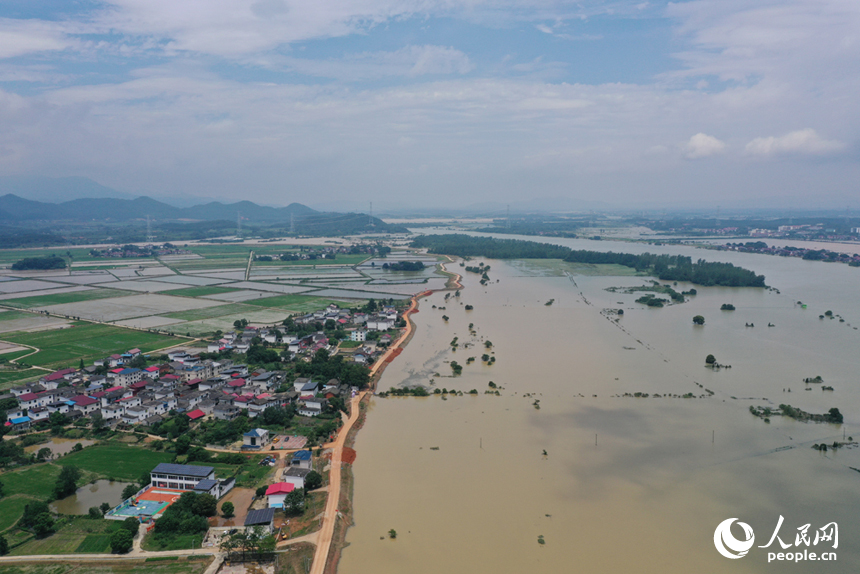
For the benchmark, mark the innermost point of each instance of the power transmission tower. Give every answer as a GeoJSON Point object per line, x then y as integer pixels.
{"type": "Point", "coordinates": [149, 238]}
{"type": "Point", "coordinates": [238, 224]}
{"type": "Point", "coordinates": [370, 217]}
{"type": "Point", "coordinates": [292, 224]}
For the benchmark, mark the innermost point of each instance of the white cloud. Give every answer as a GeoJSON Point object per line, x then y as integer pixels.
{"type": "Point", "coordinates": [702, 145]}
{"type": "Point", "coordinates": [410, 61]}
{"type": "Point", "coordinates": [804, 142]}
{"type": "Point", "coordinates": [20, 37]}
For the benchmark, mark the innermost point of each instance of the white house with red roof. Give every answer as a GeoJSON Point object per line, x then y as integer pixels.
{"type": "Point", "coordinates": [278, 492]}
{"type": "Point", "coordinates": [86, 405]}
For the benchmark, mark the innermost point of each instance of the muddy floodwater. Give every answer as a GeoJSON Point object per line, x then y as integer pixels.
{"type": "Point", "coordinates": [90, 495]}
{"type": "Point", "coordinates": [59, 446]}
{"type": "Point", "coordinates": [627, 484]}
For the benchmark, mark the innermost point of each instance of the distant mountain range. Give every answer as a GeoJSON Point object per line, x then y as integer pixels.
{"type": "Point", "coordinates": [17, 209]}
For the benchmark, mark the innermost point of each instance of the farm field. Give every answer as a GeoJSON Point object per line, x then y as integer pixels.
{"type": "Point", "coordinates": [11, 378]}
{"type": "Point", "coordinates": [210, 312]}
{"type": "Point", "coordinates": [11, 509]}
{"type": "Point", "coordinates": [61, 347]}
{"type": "Point", "coordinates": [202, 290]}
{"type": "Point", "coordinates": [115, 460]}
{"type": "Point", "coordinates": [36, 481]}
{"type": "Point", "coordinates": [64, 298]}
{"type": "Point", "coordinates": [296, 303]}
{"type": "Point", "coordinates": [128, 307]}
{"type": "Point", "coordinates": [151, 566]}
{"type": "Point", "coordinates": [79, 534]}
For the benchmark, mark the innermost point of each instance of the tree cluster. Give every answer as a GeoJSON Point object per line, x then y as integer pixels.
{"type": "Point", "coordinates": [186, 516]}
{"type": "Point", "coordinates": [664, 267]}
{"type": "Point", "coordinates": [39, 263]}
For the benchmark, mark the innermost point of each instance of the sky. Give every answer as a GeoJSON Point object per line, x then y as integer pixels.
{"type": "Point", "coordinates": [438, 103]}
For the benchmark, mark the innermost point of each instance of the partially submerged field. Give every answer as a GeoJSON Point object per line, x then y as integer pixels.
{"type": "Point", "coordinates": [195, 294]}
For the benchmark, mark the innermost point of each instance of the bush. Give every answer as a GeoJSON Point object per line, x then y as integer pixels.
{"type": "Point", "coordinates": [129, 491]}
{"type": "Point", "coordinates": [227, 510]}
{"type": "Point", "coordinates": [95, 513]}
{"type": "Point", "coordinates": [313, 481]}
{"type": "Point", "coordinates": [710, 360]}
{"type": "Point", "coordinates": [131, 524]}
{"type": "Point", "coordinates": [121, 541]}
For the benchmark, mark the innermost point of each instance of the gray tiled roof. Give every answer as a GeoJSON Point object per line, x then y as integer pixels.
{"type": "Point", "coordinates": [183, 469]}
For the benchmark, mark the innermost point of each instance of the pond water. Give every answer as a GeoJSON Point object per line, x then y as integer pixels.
{"type": "Point", "coordinates": [90, 495]}
{"type": "Point", "coordinates": [59, 446]}
{"type": "Point", "coordinates": [627, 484]}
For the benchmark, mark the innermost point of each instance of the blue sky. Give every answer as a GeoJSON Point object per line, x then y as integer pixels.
{"type": "Point", "coordinates": [437, 102]}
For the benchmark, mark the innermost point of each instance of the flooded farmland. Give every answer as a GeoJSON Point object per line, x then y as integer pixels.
{"type": "Point", "coordinates": [626, 484]}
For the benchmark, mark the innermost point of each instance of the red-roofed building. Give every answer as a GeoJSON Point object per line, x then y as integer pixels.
{"type": "Point", "coordinates": [29, 400]}
{"type": "Point", "coordinates": [278, 492]}
{"type": "Point", "coordinates": [235, 383]}
{"type": "Point", "coordinates": [62, 374]}
{"type": "Point", "coordinates": [193, 382]}
{"type": "Point", "coordinates": [86, 404]}
{"type": "Point", "coordinates": [134, 352]}
{"type": "Point", "coordinates": [196, 414]}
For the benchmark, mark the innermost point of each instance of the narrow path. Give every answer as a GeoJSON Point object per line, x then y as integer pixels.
{"type": "Point", "coordinates": [248, 269]}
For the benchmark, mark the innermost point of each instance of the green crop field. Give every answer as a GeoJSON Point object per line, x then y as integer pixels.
{"type": "Point", "coordinates": [211, 312]}
{"type": "Point", "coordinates": [114, 460]}
{"type": "Point", "coordinates": [9, 256]}
{"type": "Point", "coordinates": [10, 379]}
{"type": "Point", "coordinates": [78, 534]}
{"type": "Point", "coordinates": [201, 291]}
{"type": "Point", "coordinates": [294, 303]}
{"type": "Point", "coordinates": [87, 341]}
{"type": "Point", "coordinates": [61, 298]}
{"type": "Point", "coordinates": [13, 378]}
{"type": "Point", "coordinates": [11, 509]}
{"type": "Point", "coordinates": [37, 481]}
{"type": "Point", "coordinates": [13, 315]}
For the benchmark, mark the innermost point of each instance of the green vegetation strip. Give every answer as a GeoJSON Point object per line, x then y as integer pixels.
{"type": "Point", "coordinates": [211, 312]}
{"type": "Point", "coordinates": [201, 291]}
{"type": "Point", "coordinates": [295, 303]}
{"type": "Point", "coordinates": [85, 341]}
{"type": "Point", "coordinates": [13, 315]}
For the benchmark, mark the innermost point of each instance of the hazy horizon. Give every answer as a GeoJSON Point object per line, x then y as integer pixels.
{"type": "Point", "coordinates": [437, 104]}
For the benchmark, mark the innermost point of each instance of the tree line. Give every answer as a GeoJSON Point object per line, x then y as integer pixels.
{"type": "Point", "coordinates": [664, 267]}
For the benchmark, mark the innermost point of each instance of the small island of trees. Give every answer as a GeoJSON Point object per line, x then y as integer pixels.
{"type": "Point", "coordinates": [698, 320]}
{"type": "Point", "coordinates": [664, 267]}
{"type": "Point", "coordinates": [39, 263]}
{"type": "Point", "coordinates": [727, 307]}
{"type": "Point", "coordinates": [404, 266]}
